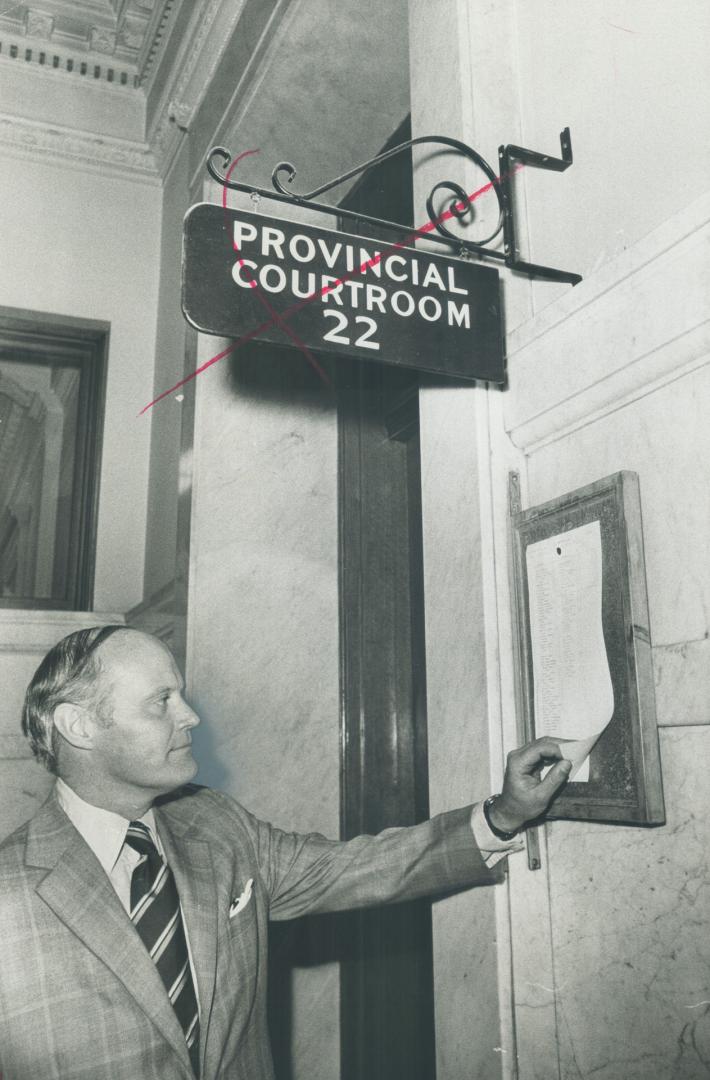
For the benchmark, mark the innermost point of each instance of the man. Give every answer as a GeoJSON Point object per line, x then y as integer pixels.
{"type": "Point", "coordinates": [134, 905]}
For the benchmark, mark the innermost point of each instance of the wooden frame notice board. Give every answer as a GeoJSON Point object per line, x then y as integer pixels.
{"type": "Point", "coordinates": [624, 783]}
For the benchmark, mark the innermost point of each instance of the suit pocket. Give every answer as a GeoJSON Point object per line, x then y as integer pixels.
{"type": "Point", "coordinates": [241, 919]}
{"type": "Point", "coordinates": [241, 937]}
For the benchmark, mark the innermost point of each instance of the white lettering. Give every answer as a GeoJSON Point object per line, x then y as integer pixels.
{"type": "Point", "coordinates": [368, 262]}
{"type": "Point", "coordinates": [433, 276]}
{"type": "Point", "coordinates": [310, 247]}
{"type": "Point", "coordinates": [243, 233]}
{"type": "Point", "coordinates": [415, 271]}
{"type": "Point", "coordinates": [272, 238]}
{"type": "Point", "coordinates": [422, 308]}
{"type": "Point", "coordinates": [246, 283]}
{"type": "Point", "coordinates": [268, 270]}
{"type": "Point", "coordinates": [460, 315]}
{"type": "Point", "coordinates": [330, 255]}
{"type": "Point", "coordinates": [329, 290]}
{"type": "Point", "coordinates": [452, 286]}
{"type": "Point", "coordinates": [388, 267]}
{"type": "Point", "coordinates": [354, 286]}
{"type": "Point", "coordinates": [375, 296]}
{"type": "Point", "coordinates": [364, 341]}
{"type": "Point", "coordinates": [407, 297]}
{"type": "Point", "coordinates": [296, 284]}
{"type": "Point", "coordinates": [341, 323]}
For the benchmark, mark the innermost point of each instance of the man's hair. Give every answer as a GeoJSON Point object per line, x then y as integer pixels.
{"type": "Point", "coordinates": [68, 673]}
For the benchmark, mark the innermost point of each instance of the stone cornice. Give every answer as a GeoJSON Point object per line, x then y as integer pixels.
{"type": "Point", "coordinates": [156, 39]}
{"type": "Point", "coordinates": [57, 144]}
{"type": "Point", "coordinates": [192, 69]}
{"type": "Point", "coordinates": [125, 32]}
{"type": "Point", "coordinates": [91, 67]}
{"type": "Point", "coordinates": [190, 61]}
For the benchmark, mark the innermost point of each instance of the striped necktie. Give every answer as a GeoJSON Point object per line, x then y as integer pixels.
{"type": "Point", "coordinates": [155, 913]}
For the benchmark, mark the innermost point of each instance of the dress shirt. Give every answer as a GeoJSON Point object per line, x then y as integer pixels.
{"type": "Point", "coordinates": [491, 847]}
{"type": "Point", "coordinates": [105, 833]}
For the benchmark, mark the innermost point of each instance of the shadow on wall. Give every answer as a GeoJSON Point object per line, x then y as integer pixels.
{"type": "Point", "coordinates": [282, 374]}
{"type": "Point", "coordinates": [278, 377]}
{"type": "Point", "coordinates": [298, 943]}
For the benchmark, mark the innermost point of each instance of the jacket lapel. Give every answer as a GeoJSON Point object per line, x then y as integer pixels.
{"type": "Point", "coordinates": [82, 897]}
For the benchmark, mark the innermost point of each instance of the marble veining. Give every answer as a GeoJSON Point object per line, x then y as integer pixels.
{"type": "Point", "coordinates": [262, 657]}
{"type": "Point", "coordinates": [630, 909]}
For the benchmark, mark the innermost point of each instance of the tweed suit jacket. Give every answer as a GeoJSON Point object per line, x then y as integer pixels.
{"type": "Point", "coordinates": [81, 998]}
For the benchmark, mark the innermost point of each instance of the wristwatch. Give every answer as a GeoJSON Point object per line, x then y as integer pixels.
{"type": "Point", "coordinates": [494, 829]}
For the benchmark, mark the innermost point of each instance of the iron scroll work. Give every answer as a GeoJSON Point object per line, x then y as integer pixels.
{"type": "Point", "coordinates": [508, 156]}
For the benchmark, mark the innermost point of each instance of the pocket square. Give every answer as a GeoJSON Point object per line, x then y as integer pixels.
{"type": "Point", "coordinates": [241, 901]}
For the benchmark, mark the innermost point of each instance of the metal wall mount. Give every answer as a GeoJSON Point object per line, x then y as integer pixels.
{"type": "Point", "coordinates": [511, 158]}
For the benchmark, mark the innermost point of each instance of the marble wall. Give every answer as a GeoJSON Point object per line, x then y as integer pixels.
{"type": "Point", "coordinates": [630, 911]}
{"type": "Point", "coordinates": [262, 654]}
{"type": "Point", "coordinates": [615, 985]}
{"type": "Point", "coordinates": [601, 966]}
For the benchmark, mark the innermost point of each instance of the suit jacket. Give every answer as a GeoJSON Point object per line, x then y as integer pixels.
{"type": "Point", "coordinates": [81, 998]}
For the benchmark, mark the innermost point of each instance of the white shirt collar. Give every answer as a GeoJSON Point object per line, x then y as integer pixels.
{"type": "Point", "coordinates": [103, 830]}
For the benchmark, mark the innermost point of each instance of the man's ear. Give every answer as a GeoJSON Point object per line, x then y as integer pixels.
{"type": "Point", "coordinates": [74, 723]}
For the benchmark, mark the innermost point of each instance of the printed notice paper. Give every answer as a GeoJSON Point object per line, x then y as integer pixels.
{"type": "Point", "coordinates": [574, 698]}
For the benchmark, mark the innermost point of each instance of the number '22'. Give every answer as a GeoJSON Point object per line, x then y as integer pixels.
{"type": "Point", "coordinates": [342, 321]}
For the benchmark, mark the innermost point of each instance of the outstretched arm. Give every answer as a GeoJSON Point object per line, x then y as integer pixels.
{"type": "Point", "coordinates": [305, 874]}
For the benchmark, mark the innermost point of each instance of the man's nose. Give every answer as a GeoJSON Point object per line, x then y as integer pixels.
{"type": "Point", "coordinates": [189, 718]}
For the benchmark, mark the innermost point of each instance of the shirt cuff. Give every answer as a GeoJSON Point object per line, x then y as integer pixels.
{"type": "Point", "coordinates": [491, 847]}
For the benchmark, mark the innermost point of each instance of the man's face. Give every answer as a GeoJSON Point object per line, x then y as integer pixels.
{"type": "Point", "coordinates": [146, 746]}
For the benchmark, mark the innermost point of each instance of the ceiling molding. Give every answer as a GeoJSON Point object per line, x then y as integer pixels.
{"type": "Point", "coordinates": [129, 47]}
{"type": "Point", "coordinates": [191, 73]}
{"type": "Point", "coordinates": [156, 39]}
{"type": "Point", "coordinates": [90, 40]}
{"type": "Point", "coordinates": [120, 30]}
{"type": "Point", "coordinates": [90, 70]}
{"type": "Point", "coordinates": [110, 156]}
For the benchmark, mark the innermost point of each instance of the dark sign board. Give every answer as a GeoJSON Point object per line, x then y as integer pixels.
{"type": "Point", "coordinates": [249, 275]}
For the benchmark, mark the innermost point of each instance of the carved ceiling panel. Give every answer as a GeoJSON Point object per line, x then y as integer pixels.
{"type": "Point", "coordinates": [125, 30]}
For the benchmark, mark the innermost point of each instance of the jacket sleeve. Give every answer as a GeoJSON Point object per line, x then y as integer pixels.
{"type": "Point", "coordinates": [308, 874]}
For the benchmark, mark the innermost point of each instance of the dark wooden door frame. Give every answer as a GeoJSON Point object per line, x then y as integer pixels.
{"type": "Point", "coordinates": [387, 1009]}
{"type": "Point", "coordinates": [386, 985]}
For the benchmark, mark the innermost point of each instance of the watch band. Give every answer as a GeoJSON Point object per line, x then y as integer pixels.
{"type": "Point", "coordinates": [494, 829]}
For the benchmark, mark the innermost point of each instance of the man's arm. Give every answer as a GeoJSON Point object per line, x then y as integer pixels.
{"type": "Point", "coordinates": [310, 874]}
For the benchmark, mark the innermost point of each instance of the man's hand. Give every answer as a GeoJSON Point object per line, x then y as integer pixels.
{"type": "Point", "coordinates": [525, 796]}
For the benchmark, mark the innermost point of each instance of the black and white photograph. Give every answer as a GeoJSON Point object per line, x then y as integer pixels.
{"type": "Point", "coordinates": [354, 514]}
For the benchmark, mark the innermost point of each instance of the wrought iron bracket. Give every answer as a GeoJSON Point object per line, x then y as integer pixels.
{"type": "Point", "coordinates": [435, 229]}
{"type": "Point", "coordinates": [507, 157]}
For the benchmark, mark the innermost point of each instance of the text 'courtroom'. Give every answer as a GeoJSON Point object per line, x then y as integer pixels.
{"type": "Point", "coordinates": [340, 294]}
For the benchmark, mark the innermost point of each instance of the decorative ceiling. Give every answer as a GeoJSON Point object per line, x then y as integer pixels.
{"type": "Point", "coordinates": [114, 85]}
{"type": "Point", "coordinates": [76, 77]}
{"type": "Point", "coordinates": [126, 31]}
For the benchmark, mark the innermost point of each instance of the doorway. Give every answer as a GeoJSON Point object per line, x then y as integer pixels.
{"type": "Point", "coordinates": [387, 1006]}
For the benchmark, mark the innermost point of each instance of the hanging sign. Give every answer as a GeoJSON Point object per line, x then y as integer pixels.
{"type": "Point", "coordinates": [248, 275]}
